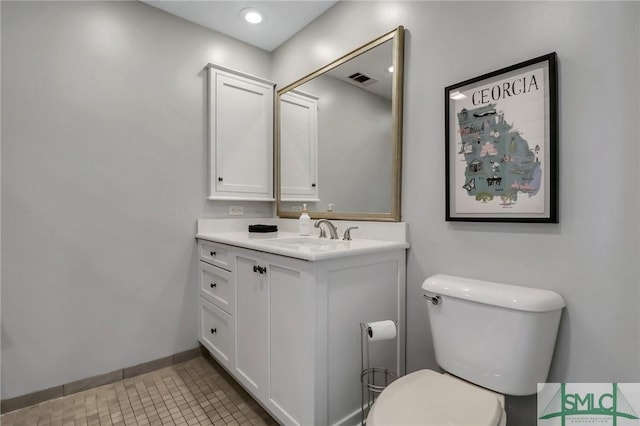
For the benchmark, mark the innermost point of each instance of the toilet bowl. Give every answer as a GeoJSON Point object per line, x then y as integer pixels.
{"type": "Point", "coordinates": [429, 398]}
{"type": "Point", "coordinates": [494, 340]}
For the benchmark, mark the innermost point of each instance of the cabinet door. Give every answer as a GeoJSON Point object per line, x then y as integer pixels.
{"type": "Point", "coordinates": [292, 345]}
{"type": "Point", "coordinates": [251, 325]}
{"type": "Point", "coordinates": [298, 147]}
{"type": "Point", "coordinates": [216, 254]}
{"type": "Point", "coordinates": [241, 136]}
{"type": "Point", "coordinates": [216, 285]}
{"type": "Point", "coordinates": [216, 332]}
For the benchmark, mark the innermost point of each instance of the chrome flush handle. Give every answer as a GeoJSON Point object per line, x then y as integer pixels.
{"type": "Point", "coordinates": [436, 300]}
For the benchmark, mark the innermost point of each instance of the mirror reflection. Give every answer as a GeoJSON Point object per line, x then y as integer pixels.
{"type": "Point", "coordinates": [339, 137]}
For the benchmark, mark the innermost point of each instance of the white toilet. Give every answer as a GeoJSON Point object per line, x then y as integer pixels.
{"type": "Point", "coordinates": [492, 339]}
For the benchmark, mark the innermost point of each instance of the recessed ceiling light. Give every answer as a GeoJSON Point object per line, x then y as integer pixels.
{"type": "Point", "coordinates": [251, 15]}
{"type": "Point", "coordinates": [390, 69]}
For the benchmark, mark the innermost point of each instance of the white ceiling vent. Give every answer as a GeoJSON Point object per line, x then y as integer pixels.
{"type": "Point", "coordinates": [362, 79]}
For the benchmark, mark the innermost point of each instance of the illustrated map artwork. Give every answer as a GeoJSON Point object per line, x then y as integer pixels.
{"type": "Point", "coordinates": [499, 163]}
{"type": "Point", "coordinates": [501, 145]}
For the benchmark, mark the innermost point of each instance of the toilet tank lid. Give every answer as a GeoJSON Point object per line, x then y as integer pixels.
{"type": "Point", "coordinates": [490, 293]}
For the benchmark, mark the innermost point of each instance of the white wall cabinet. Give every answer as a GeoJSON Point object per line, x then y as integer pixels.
{"type": "Point", "coordinates": [240, 136]}
{"type": "Point", "coordinates": [299, 147]}
{"type": "Point", "coordinates": [295, 328]}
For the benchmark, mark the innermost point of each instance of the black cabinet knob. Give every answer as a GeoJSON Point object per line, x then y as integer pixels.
{"type": "Point", "coordinates": [219, 179]}
{"type": "Point", "coordinates": [214, 330]}
{"type": "Point", "coordinates": [259, 269]}
{"type": "Point", "coordinates": [212, 253]}
{"type": "Point", "coordinates": [214, 285]}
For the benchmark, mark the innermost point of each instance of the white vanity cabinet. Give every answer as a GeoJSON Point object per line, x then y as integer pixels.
{"type": "Point", "coordinates": [299, 146]}
{"type": "Point", "coordinates": [252, 327]}
{"type": "Point", "coordinates": [240, 135]}
{"type": "Point", "coordinates": [296, 329]}
{"type": "Point", "coordinates": [274, 323]}
{"type": "Point", "coordinates": [217, 302]}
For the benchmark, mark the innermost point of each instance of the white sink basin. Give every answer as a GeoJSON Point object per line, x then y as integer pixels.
{"type": "Point", "coordinates": [309, 244]}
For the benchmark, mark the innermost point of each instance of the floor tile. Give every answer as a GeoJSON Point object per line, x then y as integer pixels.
{"type": "Point", "coordinates": [193, 393]}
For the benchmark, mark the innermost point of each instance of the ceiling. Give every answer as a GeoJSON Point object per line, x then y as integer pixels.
{"type": "Point", "coordinates": [374, 64]}
{"type": "Point", "coordinates": [281, 19]}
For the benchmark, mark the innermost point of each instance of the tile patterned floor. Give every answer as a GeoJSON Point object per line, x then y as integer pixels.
{"type": "Point", "coordinates": [196, 392]}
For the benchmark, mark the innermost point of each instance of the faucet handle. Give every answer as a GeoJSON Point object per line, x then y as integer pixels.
{"type": "Point", "coordinates": [347, 233]}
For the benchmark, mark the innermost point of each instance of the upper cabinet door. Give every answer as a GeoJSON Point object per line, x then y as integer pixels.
{"type": "Point", "coordinates": [299, 146]}
{"type": "Point", "coordinates": [240, 136]}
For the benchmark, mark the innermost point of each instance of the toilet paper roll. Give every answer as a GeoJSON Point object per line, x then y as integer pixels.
{"type": "Point", "coordinates": [381, 330]}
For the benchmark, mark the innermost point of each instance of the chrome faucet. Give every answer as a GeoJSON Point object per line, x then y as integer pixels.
{"type": "Point", "coordinates": [332, 229]}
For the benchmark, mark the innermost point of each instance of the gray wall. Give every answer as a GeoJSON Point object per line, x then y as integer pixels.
{"type": "Point", "coordinates": [104, 172]}
{"type": "Point", "coordinates": [103, 176]}
{"type": "Point", "coordinates": [591, 257]}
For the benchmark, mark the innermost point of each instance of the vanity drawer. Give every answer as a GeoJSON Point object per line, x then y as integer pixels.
{"type": "Point", "coordinates": [216, 285]}
{"type": "Point", "coordinates": [216, 332]}
{"type": "Point", "coordinates": [216, 254]}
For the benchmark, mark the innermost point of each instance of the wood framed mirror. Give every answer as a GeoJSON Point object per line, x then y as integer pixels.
{"type": "Point", "coordinates": [339, 136]}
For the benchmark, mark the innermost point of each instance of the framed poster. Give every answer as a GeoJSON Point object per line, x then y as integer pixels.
{"type": "Point", "coordinates": [501, 145]}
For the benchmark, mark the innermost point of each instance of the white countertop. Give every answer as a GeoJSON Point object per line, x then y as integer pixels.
{"type": "Point", "coordinates": [307, 248]}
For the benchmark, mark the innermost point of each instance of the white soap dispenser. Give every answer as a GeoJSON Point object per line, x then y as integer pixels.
{"type": "Point", "coordinates": [304, 222]}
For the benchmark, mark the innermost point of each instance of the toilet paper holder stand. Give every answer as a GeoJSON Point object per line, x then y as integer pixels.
{"type": "Point", "coordinates": [373, 380]}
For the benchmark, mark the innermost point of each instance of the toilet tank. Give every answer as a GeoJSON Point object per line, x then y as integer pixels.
{"type": "Point", "coordinates": [498, 336]}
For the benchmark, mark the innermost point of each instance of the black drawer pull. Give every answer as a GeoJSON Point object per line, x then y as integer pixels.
{"type": "Point", "coordinates": [212, 253]}
{"type": "Point", "coordinates": [259, 269]}
{"type": "Point", "coordinates": [213, 285]}
{"type": "Point", "coordinates": [214, 330]}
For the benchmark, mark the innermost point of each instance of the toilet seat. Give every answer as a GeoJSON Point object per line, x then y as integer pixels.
{"type": "Point", "coordinates": [429, 398]}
